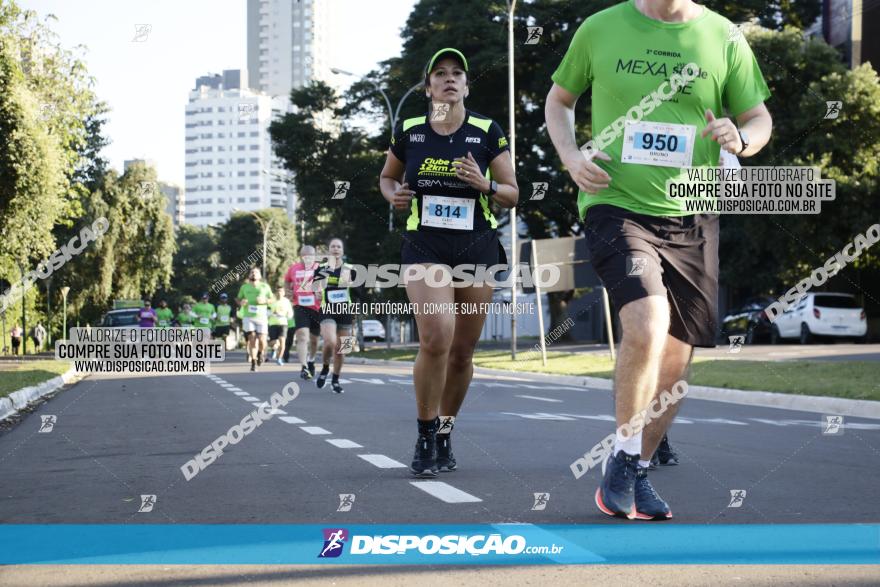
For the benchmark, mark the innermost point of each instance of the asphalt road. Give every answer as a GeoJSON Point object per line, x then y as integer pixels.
{"type": "Point", "coordinates": [117, 438]}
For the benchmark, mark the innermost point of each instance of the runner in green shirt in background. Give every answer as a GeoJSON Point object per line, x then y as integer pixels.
{"type": "Point", "coordinates": [186, 317]}
{"type": "Point", "coordinates": [224, 318]}
{"type": "Point", "coordinates": [288, 340]}
{"type": "Point", "coordinates": [254, 298]}
{"type": "Point", "coordinates": [205, 313]}
{"type": "Point", "coordinates": [164, 315]}
{"type": "Point", "coordinates": [281, 313]}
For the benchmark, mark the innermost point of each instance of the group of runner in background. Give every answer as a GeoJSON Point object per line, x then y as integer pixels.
{"type": "Point", "coordinates": [292, 316]}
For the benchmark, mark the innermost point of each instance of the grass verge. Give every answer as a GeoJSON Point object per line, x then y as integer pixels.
{"type": "Point", "coordinates": [15, 376]}
{"type": "Point", "coordinates": [846, 379]}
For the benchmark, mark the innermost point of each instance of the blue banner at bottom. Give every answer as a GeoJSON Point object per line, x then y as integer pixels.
{"type": "Point", "coordinates": [520, 544]}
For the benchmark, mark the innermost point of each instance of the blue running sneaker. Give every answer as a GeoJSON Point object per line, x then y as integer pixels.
{"type": "Point", "coordinates": [649, 505]}
{"type": "Point", "coordinates": [665, 454]}
{"type": "Point", "coordinates": [614, 496]}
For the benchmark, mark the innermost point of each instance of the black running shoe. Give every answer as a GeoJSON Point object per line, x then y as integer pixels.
{"type": "Point", "coordinates": [336, 387]}
{"type": "Point", "coordinates": [424, 462]}
{"type": "Point", "coordinates": [649, 505]}
{"type": "Point", "coordinates": [664, 454]}
{"type": "Point", "coordinates": [312, 368]}
{"type": "Point", "coordinates": [614, 496]}
{"type": "Point", "coordinates": [253, 365]}
{"type": "Point", "coordinates": [322, 378]}
{"type": "Point", "coordinates": [259, 360]}
{"type": "Point", "coordinates": [445, 458]}
{"type": "Point", "coordinates": [304, 374]}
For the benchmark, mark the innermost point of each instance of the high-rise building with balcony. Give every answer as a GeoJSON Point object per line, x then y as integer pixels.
{"type": "Point", "coordinates": [229, 159]}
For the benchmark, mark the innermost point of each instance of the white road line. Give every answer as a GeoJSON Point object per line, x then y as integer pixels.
{"type": "Point", "coordinates": [314, 430]}
{"type": "Point", "coordinates": [242, 393]}
{"type": "Point", "coordinates": [274, 412]}
{"type": "Point", "coordinates": [343, 443]}
{"type": "Point", "coordinates": [542, 399]}
{"type": "Point", "coordinates": [234, 389]}
{"type": "Point", "coordinates": [372, 381]}
{"type": "Point", "coordinates": [292, 420]}
{"type": "Point", "coordinates": [445, 492]}
{"type": "Point", "coordinates": [382, 461]}
{"type": "Point", "coordinates": [250, 398]}
{"type": "Point", "coordinates": [226, 385]}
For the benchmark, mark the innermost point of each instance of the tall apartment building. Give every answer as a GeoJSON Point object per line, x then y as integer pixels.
{"type": "Point", "coordinates": [853, 27]}
{"type": "Point", "coordinates": [288, 44]}
{"type": "Point", "coordinates": [229, 160]}
{"type": "Point", "coordinates": [176, 202]}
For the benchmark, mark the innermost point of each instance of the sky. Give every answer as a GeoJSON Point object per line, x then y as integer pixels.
{"type": "Point", "coordinates": [146, 83]}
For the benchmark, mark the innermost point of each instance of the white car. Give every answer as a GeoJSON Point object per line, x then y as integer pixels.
{"type": "Point", "coordinates": [821, 314]}
{"type": "Point", "coordinates": [373, 330]}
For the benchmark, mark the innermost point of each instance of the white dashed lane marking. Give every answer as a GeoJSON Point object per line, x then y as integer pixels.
{"type": "Point", "coordinates": [445, 492]}
{"type": "Point", "coordinates": [242, 393]}
{"type": "Point", "coordinates": [292, 420]}
{"type": "Point", "coordinates": [250, 398]}
{"type": "Point", "coordinates": [314, 430]}
{"type": "Point", "coordinates": [542, 399]}
{"type": "Point", "coordinates": [382, 461]}
{"type": "Point", "coordinates": [343, 443]}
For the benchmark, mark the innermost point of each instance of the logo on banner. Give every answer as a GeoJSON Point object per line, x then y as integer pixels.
{"type": "Point", "coordinates": [334, 540]}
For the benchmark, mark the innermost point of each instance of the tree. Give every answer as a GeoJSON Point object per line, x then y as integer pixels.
{"type": "Point", "coordinates": [241, 239]}
{"type": "Point", "coordinates": [321, 154]}
{"type": "Point", "coordinates": [197, 263]}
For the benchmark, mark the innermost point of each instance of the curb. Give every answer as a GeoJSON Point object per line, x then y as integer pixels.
{"type": "Point", "coordinates": [803, 403]}
{"type": "Point", "coordinates": [15, 401]}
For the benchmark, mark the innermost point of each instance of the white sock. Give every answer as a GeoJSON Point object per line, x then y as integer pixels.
{"type": "Point", "coordinates": [631, 445]}
{"type": "Point", "coordinates": [446, 424]}
{"type": "Point", "coordinates": [644, 464]}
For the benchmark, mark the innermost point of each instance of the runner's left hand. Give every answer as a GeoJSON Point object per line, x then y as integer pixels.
{"type": "Point", "coordinates": [724, 132]}
{"type": "Point", "coordinates": [468, 171]}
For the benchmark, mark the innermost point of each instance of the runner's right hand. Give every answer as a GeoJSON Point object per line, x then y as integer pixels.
{"type": "Point", "coordinates": [402, 197]}
{"type": "Point", "coordinates": [588, 176]}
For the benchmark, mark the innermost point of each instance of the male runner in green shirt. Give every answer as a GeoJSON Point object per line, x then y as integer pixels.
{"type": "Point", "coordinates": [186, 316]}
{"type": "Point", "coordinates": [164, 315]}
{"type": "Point", "coordinates": [224, 318]}
{"type": "Point", "coordinates": [280, 312]}
{"type": "Point", "coordinates": [662, 74]}
{"type": "Point", "coordinates": [254, 298]}
{"type": "Point", "coordinates": [205, 313]}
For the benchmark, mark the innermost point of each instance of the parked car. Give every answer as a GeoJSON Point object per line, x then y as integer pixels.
{"type": "Point", "coordinates": [121, 318]}
{"type": "Point", "coordinates": [749, 319]}
{"type": "Point", "coordinates": [373, 330]}
{"type": "Point", "coordinates": [822, 314]}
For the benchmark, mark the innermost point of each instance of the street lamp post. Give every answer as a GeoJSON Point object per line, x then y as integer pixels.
{"type": "Point", "coordinates": [49, 310]}
{"type": "Point", "coordinates": [23, 315]}
{"type": "Point", "coordinates": [511, 6]}
{"type": "Point", "coordinates": [265, 226]}
{"type": "Point", "coordinates": [392, 118]}
{"type": "Point", "coordinates": [64, 291]}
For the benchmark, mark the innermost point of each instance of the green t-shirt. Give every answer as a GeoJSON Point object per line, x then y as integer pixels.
{"type": "Point", "coordinates": [626, 57]}
{"type": "Point", "coordinates": [204, 314]}
{"type": "Point", "coordinates": [185, 319]}
{"type": "Point", "coordinates": [224, 314]}
{"type": "Point", "coordinates": [164, 316]}
{"type": "Point", "coordinates": [252, 293]}
{"type": "Point", "coordinates": [281, 311]}
{"type": "Point", "coordinates": [291, 323]}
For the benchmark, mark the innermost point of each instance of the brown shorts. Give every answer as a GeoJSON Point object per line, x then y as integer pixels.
{"type": "Point", "coordinates": [636, 255]}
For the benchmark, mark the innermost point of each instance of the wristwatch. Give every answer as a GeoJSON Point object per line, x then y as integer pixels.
{"type": "Point", "coordinates": [493, 187]}
{"type": "Point", "coordinates": [744, 138]}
